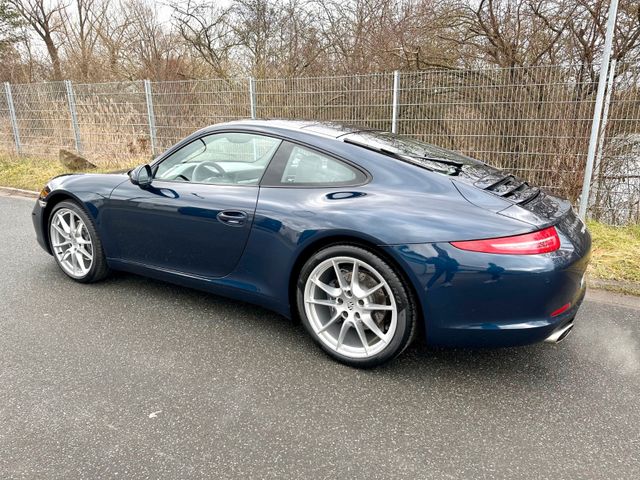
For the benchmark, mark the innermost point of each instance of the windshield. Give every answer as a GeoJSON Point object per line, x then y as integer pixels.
{"type": "Point", "coordinates": [420, 153]}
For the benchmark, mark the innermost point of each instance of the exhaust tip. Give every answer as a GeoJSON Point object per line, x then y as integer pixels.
{"type": "Point", "coordinates": [560, 334]}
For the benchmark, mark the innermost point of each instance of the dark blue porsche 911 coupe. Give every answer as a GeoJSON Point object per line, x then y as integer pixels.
{"type": "Point", "coordinates": [367, 237]}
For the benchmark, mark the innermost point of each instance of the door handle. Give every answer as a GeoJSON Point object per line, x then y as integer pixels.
{"type": "Point", "coordinates": [235, 218]}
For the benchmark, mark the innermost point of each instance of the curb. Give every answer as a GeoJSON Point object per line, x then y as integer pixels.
{"type": "Point", "coordinates": [625, 288]}
{"type": "Point", "coordinates": [18, 192]}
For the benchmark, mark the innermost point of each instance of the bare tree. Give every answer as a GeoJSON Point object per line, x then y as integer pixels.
{"type": "Point", "coordinates": [298, 47]}
{"type": "Point", "coordinates": [204, 27]}
{"type": "Point", "coordinates": [587, 31]}
{"type": "Point", "coordinates": [116, 36]}
{"type": "Point", "coordinates": [45, 19]}
{"type": "Point", "coordinates": [83, 22]}
{"type": "Point", "coordinates": [155, 51]}
{"type": "Point", "coordinates": [97, 39]}
{"type": "Point", "coordinates": [511, 33]}
{"type": "Point", "coordinates": [373, 35]}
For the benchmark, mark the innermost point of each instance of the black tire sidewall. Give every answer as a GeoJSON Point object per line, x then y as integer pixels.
{"type": "Point", "coordinates": [406, 325]}
{"type": "Point", "coordinates": [98, 267]}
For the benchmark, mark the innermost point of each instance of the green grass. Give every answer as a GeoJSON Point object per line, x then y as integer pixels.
{"type": "Point", "coordinates": [615, 255]}
{"type": "Point", "coordinates": [33, 173]}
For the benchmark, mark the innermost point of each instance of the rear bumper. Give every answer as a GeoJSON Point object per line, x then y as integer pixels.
{"type": "Point", "coordinates": [504, 335]}
{"type": "Point", "coordinates": [471, 299]}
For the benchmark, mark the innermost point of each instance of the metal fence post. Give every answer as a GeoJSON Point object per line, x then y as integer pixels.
{"type": "Point", "coordinates": [14, 120]}
{"type": "Point", "coordinates": [605, 114]}
{"type": "Point", "coordinates": [597, 111]}
{"type": "Point", "coordinates": [605, 117]}
{"type": "Point", "coordinates": [71, 99]}
{"type": "Point", "coordinates": [396, 99]}
{"type": "Point", "coordinates": [252, 96]}
{"type": "Point", "coordinates": [150, 116]}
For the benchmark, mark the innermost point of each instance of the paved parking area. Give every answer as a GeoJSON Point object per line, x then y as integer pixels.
{"type": "Point", "coordinates": [134, 378]}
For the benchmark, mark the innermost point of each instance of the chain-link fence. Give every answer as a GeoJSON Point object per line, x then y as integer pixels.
{"type": "Point", "coordinates": [112, 120]}
{"type": "Point", "coordinates": [533, 121]}
{"type": "Point", "coordinates": [616, 186]}
{"type": "Point", "coordinates": [42, 118]}
{"type": "Point", "coordinates": [358, 99]}
{"type": "Point", "coordinates": [182, 107]}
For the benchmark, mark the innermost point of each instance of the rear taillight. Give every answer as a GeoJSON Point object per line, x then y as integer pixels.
{"type": "Point", "coordinates": [542, 241]}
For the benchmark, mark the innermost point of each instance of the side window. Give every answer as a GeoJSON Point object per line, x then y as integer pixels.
{"type": "Point", "coordinates": [308, 167]}
{"type": "Point", "coordinates": [222, 158]}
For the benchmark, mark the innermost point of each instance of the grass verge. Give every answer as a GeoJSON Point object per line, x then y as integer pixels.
{"type": "Point", "coordinates": [28, 173]}
{"type": "Point", "coordinates": [615, 259]}
{"type": "Point", "coordinates": [32, 173]}
{"type": "Point", "coordinates": [615, 253]}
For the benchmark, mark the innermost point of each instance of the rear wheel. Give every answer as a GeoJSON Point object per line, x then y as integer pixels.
{"type": "Point", "coordinates": [355, 306]}
{"type": "Point", "coordinates": [75, 243]}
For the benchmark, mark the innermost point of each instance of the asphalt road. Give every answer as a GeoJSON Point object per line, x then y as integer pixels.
{"type": "Point", "coordinates": [133, 378]}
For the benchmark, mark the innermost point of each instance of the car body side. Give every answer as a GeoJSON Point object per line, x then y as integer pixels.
{"type": "Point", "coordinates": [465, 298]}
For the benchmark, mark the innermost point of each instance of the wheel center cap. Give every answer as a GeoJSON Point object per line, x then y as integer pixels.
{"type": "Point", "coordinates": [350, 305]}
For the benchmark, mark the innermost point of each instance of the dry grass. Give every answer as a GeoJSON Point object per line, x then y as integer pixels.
{"type": "Point", "coordinates": [30, 174]}
{"type": "Point", "coordinates": [616, 250]}
{"type": "Point", "coordinates": [33, 173]}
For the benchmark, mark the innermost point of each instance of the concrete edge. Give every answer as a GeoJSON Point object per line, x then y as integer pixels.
{"type": "Point", "coordinates": [615, 286]}
{"type": "Point", "coordinates": [18, 192]}
{"type": "Point", "coordinates": [608, 297]}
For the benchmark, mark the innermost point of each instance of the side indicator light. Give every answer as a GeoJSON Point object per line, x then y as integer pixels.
{"type": "Point", "coordinates": [44, 192]}
{"type": "Point", "coordinates": [542, 241]}
{"type": "Point", "coordinates": [562, 309]}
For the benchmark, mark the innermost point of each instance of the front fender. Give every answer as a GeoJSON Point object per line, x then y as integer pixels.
{"type": "Point", "coordinates": [90, 191]}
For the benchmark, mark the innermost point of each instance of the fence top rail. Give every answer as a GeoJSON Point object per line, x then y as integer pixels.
{"type": "Point", "coordinates": [327, 77]}
{"type": "Point", "coordinates": [238, 79]}
{"type": "Point", "coordinates": [114, 83]}
{"type": "Point", "coordinates": [45, 82]}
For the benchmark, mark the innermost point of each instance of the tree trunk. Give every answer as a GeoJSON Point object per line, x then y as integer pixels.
{"type": "Point", "coordinates": [55, 58]}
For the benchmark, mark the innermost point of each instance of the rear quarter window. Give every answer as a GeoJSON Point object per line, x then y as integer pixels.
{"type": "Point", "coordinates": [303, 166]}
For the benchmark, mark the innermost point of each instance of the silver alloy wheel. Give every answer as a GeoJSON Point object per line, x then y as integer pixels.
{"type": "Point", "coordinates": [71, 243]}
{"type": "Point", "coordinates": [350, 307]}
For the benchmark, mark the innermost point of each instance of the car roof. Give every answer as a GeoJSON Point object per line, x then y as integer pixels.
{"type": "Point", "coordinates": [324, 129]}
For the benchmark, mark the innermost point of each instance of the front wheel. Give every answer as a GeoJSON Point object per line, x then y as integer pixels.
{"type": "Point", "coordinates": [355, 306]}
{"type": "Point", "coordinates": [75, 244]}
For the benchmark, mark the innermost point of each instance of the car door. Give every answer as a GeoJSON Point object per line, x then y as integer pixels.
{"type": "Point", "coordinates": [196, 215]}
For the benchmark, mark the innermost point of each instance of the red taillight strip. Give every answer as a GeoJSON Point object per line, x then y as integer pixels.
{"type": "Point", "coordinates": [562, 309]}
{"type": "Point", "coordinates": [542, 241]}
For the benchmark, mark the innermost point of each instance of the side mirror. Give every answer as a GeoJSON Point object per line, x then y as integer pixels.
{"type": "Point", "coordinates": [141, 176]}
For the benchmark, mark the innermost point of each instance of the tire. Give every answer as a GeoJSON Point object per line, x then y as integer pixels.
{"type": "Point", "coordinates": [364, 323]}
{"type": "Point", "coordinates": [75, 244]}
